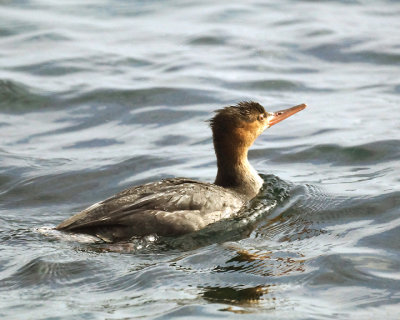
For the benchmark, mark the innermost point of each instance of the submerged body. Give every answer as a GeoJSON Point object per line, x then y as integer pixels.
{"type": "Point", "coordinates": [177, 206]}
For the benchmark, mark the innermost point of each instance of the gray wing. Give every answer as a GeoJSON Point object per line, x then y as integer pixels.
{"type": "Point", "coordinates": [169, 207]}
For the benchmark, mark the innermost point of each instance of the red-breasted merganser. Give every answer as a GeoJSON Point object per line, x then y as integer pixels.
{"type": "Point", "coordinates": [173, 207]}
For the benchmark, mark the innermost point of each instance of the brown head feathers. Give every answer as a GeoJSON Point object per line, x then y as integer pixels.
{"type": "Point", "coordinates": [247, 111]}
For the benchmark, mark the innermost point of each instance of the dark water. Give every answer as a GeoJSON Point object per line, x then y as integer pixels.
{"type": "Point", "coordinates": [96, 96]}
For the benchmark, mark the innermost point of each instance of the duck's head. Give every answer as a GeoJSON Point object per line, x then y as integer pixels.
{"type": "Point", "coordinates": [240, 125]}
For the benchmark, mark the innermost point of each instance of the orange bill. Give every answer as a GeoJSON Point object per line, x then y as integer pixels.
{"type": "Point", "coordinates": [278, 116]}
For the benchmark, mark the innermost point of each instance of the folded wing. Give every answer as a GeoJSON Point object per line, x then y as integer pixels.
{"type": "Point", "coordinates": [169, 207]}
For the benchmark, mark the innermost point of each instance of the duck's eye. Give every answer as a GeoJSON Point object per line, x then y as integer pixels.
{"type": "Point", "coordinates": [261, 117]}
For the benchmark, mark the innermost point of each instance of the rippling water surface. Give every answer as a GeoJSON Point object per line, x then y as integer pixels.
{"type": "Point", "coordinates": [96, 96]}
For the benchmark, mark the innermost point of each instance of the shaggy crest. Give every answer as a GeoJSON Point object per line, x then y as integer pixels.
{"type": "Point", "coordinates": [244, 111]}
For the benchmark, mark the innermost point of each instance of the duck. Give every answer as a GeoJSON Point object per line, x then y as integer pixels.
{"type": "Point", "coordinates": [177, 206]}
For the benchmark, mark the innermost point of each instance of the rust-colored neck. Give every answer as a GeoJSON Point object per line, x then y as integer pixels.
{"type": "Point", "coordinates": [234, 169]}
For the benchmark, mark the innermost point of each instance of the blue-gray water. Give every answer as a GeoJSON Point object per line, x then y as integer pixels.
{"type": "Point", "coordinates": [96, 96]}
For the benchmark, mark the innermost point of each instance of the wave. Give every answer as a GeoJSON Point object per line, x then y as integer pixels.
{"type": "Point", "coordinates": [370, 153]}
{"type": "Point", "coordinates": [17, 98]}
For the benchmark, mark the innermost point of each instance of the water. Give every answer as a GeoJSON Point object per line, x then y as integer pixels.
{"type": "Point", "coordinates": [96, 96]}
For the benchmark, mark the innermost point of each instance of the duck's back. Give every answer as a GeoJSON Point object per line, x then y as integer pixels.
{"type": "Point", "coordinates": [170, 207]}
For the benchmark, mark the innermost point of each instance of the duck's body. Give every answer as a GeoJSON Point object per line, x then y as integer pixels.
{"type": "Point", "coordinates": [177, 206]}
{"type": "Point", "coordinates": [169, 207]}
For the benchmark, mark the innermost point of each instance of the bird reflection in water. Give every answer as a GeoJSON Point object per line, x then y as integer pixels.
{"type": "Point", "coordinates": [236, 296]}
{"type": "Point", "coordinates": [266, 263]}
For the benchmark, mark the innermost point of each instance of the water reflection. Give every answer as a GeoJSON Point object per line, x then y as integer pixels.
{"type": "Point", "coordinates": [265, 263]}
{"type": "Point", "coordinates": [236, 296]}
